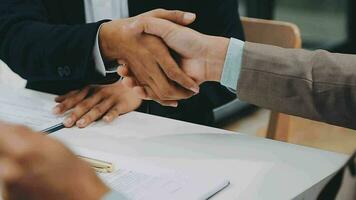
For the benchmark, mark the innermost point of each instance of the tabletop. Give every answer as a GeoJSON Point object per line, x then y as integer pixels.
{"type": "Point", "coordinates": [257, 168]}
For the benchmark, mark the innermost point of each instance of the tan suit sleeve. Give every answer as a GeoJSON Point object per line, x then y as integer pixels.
{"type": "Point", "coordinates": [312, 84]}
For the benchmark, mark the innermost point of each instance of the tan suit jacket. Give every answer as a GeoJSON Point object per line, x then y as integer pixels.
{"type": "Point", "coordinates": [312, 84]}
{"type": "Point", "coordinates": [316, 85]}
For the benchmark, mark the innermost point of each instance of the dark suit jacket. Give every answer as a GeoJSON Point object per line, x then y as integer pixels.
{"type": "Point", "coordinates": [48, 43]}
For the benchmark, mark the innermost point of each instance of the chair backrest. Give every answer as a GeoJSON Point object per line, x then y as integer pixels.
{"type": "Point", "coordinates": [282, 34]}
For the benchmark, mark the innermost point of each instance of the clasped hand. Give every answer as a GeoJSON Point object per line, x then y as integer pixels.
{"type": "Point", "coordinates": [145, 44]}
{"type": "Point", "coordinates": [147, 57]}
{"type": "Point", "coordinates": [200, 57]}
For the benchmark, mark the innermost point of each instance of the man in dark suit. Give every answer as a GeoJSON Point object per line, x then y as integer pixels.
{"type": "Point", "coordinates": [49, 43]}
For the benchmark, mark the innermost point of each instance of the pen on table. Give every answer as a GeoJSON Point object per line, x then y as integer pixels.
{"type": "Point", "coordinates": [53, 129]}
{"type": "Point", "coordinates": [99, 165]}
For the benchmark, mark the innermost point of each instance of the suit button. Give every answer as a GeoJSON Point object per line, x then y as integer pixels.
{"type": "Point", "coordinates": [64, 71]}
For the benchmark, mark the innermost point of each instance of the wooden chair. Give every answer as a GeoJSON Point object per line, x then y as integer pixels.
{"type": "Point", "coordinates": [282, 34]}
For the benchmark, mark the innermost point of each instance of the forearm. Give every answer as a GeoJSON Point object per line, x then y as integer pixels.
{"type": "Point", "coordinates": [316, 85]}
{"type": "Point", "coordinates": [40, 51]}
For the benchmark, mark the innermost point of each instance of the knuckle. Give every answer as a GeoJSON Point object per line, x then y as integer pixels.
{"type": "Point", "coordinates": [63, 106]}
{"type": "Point", "coordinates": [159, 10]}
{"type": "Point", "coordinates": [115, 111]}
{"type": "Point", "coordinates": [82, 106]}
{"type": "Point", "coordinates": [173, 74]}
{"type": "Point", "coordinates": [141, 19]}
{"type": "Point", "coordinates": [177, 15]}
{"type": "Point", "coordinates": [166, 94]}
{"type": "Point", "coordinates": [74, 116]}
{"type": "Point", "coordinates": [97, 110]}
{"type": "Point", "coordinates": [104, 93]}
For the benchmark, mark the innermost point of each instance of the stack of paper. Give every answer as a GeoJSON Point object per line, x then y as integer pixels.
{"type": "Point", "coordinates": [26, 109]}
{"type": "Point", "coordinates": [139, 180]}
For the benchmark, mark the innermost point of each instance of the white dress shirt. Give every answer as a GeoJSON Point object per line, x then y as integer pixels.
{"type": "Point", "coordinates": [97, 10]}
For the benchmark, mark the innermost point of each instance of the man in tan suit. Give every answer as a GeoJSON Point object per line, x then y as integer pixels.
{"type": "Point", "coordinates": [312, 84]}
{"type": "Point", "coordinates": [316, 85]}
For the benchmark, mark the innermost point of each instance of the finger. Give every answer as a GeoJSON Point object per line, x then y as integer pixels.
{"type": "Point", "coordinates": [123, 71]}
{"type": "Point", "coordinates": [71, 101]}
{"type": "Point", "coordinates": [139, 71]}
{"type": "Point", "coordinates": [151, 95]}
{"type": "Point", "coordinates": [141, 93]}
{"type": "Point", "coordinates": [61, 98]}
{"type": "Point", "coordinates": [9, 171]}
{"type": "Point", "coordinates": [83, 108]}
{"type": "Point", "coordinates": [113, 113]}
{"type": "Point", "coordinates": [157, 81]}
{"type": "Point", "coordinates": [176, 16]}
{"type": "Point", "coordinates": [129, 82]}
{"type": "Point", "coordinates": [95, 113]}
{"type": "Point", "coordinates": [172, 70]}
{"type": "Point", "coordinates": [164, 30]}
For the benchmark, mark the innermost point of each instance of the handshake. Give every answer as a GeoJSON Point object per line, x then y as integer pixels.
{"type": "Point", "coordinates": [162, 60]}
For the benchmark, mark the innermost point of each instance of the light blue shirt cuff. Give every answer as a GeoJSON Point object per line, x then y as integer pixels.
{"type": "Point", "coordinates": [113, 195]}
{"type": "Point", "coordinates": [98, 59]}
{"type": "Point", "coordinates": [232, 66]}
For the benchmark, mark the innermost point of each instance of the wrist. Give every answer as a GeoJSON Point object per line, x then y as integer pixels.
{"type": "Point", "coordinates": [106, 50]}
{"type": "Point", "coordinates": [215, 58]}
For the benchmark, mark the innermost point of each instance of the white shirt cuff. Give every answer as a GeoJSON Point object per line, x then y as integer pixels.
{"type": "Point", "coordinates": [232, 66]}
{"type": "Point", "coordinates": [98, 59]}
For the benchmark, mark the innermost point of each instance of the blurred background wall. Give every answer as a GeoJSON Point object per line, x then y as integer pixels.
{"type": "Point", "coordinates": [326, 24]}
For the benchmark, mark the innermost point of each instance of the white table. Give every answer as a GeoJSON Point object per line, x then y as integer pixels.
{"type": "Point", "coordinates": [257, 168]}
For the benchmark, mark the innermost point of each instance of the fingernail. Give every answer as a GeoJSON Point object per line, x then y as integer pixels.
{"type": "Point", "coordinates": [195, 89]}
{"type": "Point", "coordinates": [56, 110]}
{"type": "Point", "coordinates": [81, 123]}
{"type": "Point", "coordinates": [68, 121]}
{"type": "Point", "coordinates": [174, 104]}
{"type": "Point", "coordinates": [107, 118]}
{"type": "Point", "coordinates": [189, 16]}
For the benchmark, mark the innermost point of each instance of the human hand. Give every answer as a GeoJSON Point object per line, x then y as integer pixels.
{"type": "Point", "coordinates": [202, 57]}
{"type": "Point", "coordinates": [95, 102]}
{"type": "Point", "coordinates": [147, 56]}
{"type": "Point", "coordinates": [35, 167]}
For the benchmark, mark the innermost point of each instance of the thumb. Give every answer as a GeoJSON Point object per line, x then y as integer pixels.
{"type": "Point", "coordinates": [160, 28]}
{"type": "Point", "coordinates": [176, 16]}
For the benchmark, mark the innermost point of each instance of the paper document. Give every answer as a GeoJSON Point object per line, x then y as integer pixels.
{"type": "Point", "coordinates": [27, 109]}
{"type": "Point", "coordinates": [137, 180]}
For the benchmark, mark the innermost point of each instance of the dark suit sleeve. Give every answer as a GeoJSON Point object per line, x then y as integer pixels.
{"type": "Point", "coordinates": [39, 51]}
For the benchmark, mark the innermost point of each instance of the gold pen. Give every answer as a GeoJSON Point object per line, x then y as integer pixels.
{"type": "Point", "coordinates": [99, 165]}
